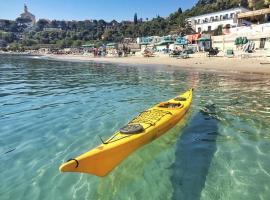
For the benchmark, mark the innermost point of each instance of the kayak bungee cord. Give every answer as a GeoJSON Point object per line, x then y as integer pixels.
{"type": "Point", "coordinates": [144, 117]}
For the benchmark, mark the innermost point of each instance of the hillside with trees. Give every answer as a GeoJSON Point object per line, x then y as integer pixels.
{"type": "Point", "coordinates": [60, 34]}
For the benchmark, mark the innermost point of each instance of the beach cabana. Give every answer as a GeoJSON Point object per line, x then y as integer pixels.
{"type": "Point", "coordinates": [204, 44]}
{"type": "Point", "coordinates": [145, 42]}
{"type": "Point", "coordinates": [111, 46]}
{"type": "Point", "coordinates": [88, 48]}
{"type": "Point", "coordinates": [165, 44]}
{"type": "Point", "coordinates": [180, 43]}
{"type": "Point", "coordinates": [111, 49]}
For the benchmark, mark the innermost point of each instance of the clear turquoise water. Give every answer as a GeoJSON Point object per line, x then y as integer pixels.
{"type": "Point", "coordinates": [51, 111]}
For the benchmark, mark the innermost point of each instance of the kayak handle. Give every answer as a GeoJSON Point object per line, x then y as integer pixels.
{"type": "Point", "coordinates": [77, 162]}
{"type": "Point", "coordinates": [102, 140]}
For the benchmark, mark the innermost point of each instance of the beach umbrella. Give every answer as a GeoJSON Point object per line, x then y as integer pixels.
{"type": "Point", "coordinates": [240, 40]}
{"type": "Point", "coordinates": [244, 40]}
{"type": "Point", "coordinates": [236, 42]}
{"type": "Point", "coordinates": [181, 41]}
{"type": "Point", "coordinates": [203, 39]}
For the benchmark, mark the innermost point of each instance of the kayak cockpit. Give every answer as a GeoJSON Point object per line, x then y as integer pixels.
{"type": "Point", "coordinates": [180, 98]}
{"type": "Point", "coordinates": [170, 105]}
{"type": "Point", "coordinates": [132, 129]}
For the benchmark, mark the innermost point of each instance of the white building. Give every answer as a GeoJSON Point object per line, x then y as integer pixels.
{"type": "Point", "coordinates": [26, 15]}
{"type": "Point", "coordinates": [257, 33]}
{"type": "Point", "coordinates": [211, 21]}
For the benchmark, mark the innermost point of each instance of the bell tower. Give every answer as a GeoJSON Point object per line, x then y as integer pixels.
{"type": "Point", "coordinates": [25, 8]}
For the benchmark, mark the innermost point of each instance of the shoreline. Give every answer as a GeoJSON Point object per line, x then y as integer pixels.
{"type": "Point", "coordinates": [197, 62]}
{"type": "Point", "coordinates": [247, 65]}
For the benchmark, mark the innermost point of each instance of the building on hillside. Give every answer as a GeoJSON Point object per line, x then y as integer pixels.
{"type": "Point", "coordinates": [4, 23]}
{"type": "Point", "coordinates": [26, 15]}
{"type": "Point", "coordinates": [52, 29]}
{"type": "Point", "coordinates": [257, 33]}
{"type": "Point", "coordinates": [109, 27]}
{"type": "Point", "coordinates": [256, 16]}
{"type": "Point", "coordinates": [211, 21]}
{"type": "Point", "coordinates": [127, 22]}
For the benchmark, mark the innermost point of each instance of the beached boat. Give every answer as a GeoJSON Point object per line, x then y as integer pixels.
{"type": "Point", "coordinates": [143, 129]}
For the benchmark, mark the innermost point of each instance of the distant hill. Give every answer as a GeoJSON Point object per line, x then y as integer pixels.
{"type": "Point", "coordinates": [216, 5]}
{"type": "Point", "coordinates": [208, 6]}
{"type": "Point", "coordinates": [60, 34]}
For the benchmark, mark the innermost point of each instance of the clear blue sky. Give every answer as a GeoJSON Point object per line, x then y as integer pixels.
{"type": "Point", "coordinates": [92, 9]}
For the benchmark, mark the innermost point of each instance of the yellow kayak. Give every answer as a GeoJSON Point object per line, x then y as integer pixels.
{"type": "Point", "coordinates": [144, 128]}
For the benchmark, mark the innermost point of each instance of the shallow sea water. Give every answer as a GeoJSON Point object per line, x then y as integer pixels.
{"type": "Point", "coordinates": [51, 111]}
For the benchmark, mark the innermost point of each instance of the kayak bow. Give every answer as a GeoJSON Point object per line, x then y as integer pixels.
{"type": "Point", "coordinates": [143, 129]}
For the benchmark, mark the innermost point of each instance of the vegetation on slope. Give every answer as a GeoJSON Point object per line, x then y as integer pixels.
{"type": "Point", "coordinates": [62, 34]}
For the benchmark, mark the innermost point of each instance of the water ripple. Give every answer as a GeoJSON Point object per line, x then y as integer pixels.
{"type": "Point", "coordinates": [51, 111]}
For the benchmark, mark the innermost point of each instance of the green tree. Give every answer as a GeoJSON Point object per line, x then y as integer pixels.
{"type": "Point", "coordinates": [41, 24]}
{"type": "Point", "coordinates": [135, 18]}
{"type": "Point", "coordinates": [14, 47]}
{"type": "Point", "coordinates": [8, 37]}
{"type": "Point", "coordinates": [61, 44]}
{"type": "Point", "coordinates": [29, 42]}
{"type": "Point", "coordinates": [77, 43]}
{"type": "Point", "coordinates": [54, 24]}
{"type": "Point", "coordinates": [23, 20]}
{"type": "Point", "coordinates": [218, 31]}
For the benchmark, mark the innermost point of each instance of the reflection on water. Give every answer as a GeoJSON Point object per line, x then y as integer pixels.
{"type": "Point", "coordinates": [193, 155]}
{"type": "Point", "coordinates": [51, 111]}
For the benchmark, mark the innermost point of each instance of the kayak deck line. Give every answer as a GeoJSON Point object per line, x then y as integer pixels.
{"type": "Point", "coordinates": [143, 117]}
{"type": "Point", "coordinates": [146, 127]}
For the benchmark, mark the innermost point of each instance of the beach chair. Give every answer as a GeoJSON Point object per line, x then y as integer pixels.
{"type": "Point", "coordinates": [184, 55]}
{"type": "Point", "coordinates": [175, 54]}
{"type": "Point", "coordinates": [213, 52]}
{"type": "Point", "coordinates": [148, 54]}
{"type": "Point", "coordinates": [267, 52]}
{"type": "Point", "coordinates": [229, 53]}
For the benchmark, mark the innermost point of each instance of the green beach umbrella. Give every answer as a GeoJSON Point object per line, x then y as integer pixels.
{"type": "Point", "coordinates": [244, 40]}
{"type": "Point", "coordinates": [236, 42]}
{"type": "Point", "coordinates": [203, 39]}
{"type": "Point", "coordinates": [181, 41]}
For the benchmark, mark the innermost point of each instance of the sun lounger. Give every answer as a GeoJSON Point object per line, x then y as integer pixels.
{"type": "Point", "coordinates": [175, 54]}
{"type": "Point", "coordinates": [148, 55]}
{"type": "Point", "coordinates": [268, 53]}
{"type": "Point", "coordinates": [184, 56]}
{"type": "Point", "coordinates": [213, 52]}
{"type": "Point", "coordinates": [229, 53]}
{"type": "Point", "coordinates": [245, 55]}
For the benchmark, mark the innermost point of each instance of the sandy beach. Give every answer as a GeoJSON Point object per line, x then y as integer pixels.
{"type": "Point", "coordinates": [237, 64]}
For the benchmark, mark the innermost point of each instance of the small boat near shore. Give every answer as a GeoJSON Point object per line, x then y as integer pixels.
{"type": "Point", "coordinates": [143, 129]}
